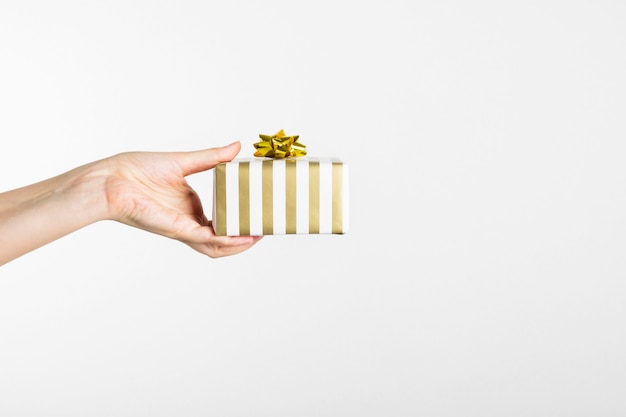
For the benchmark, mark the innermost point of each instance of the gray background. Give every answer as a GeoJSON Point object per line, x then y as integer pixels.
{"type": "Point", "coordinates": [483, 274]}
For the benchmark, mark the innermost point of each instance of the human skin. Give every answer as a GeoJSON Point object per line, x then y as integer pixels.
{"type": "Point", "coordinates": [146, 190]}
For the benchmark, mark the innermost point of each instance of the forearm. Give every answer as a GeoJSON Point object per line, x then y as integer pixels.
{"type": "Point", "coordinates": [37, 214]}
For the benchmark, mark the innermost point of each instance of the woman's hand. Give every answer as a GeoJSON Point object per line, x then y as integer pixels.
{"type": "Point", "coordinates": [147, 190]}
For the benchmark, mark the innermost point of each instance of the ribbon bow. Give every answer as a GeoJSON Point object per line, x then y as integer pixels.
{"type": "Point", "coordinates": [279, 145]}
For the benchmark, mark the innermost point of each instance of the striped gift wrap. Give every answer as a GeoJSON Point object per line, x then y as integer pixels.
{"type": "Point", "coordinates": [265, 196]}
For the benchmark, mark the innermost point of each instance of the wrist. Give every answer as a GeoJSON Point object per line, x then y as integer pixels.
{"type": "Point", "coordinates": [85, 190]}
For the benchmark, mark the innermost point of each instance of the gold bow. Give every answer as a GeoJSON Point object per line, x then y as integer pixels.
{"type": "Point", "coordinates": [279, 145]}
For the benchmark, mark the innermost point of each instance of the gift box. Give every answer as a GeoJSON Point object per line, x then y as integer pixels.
{"type": "Point", "coordinates": [274, 196]}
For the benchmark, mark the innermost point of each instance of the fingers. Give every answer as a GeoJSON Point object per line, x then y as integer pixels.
{"type": "Point", "coordinates": [231, 245]}
{"type": "Point", "coordinates": [202, 160]}
{"type": "Point", "coordinates": [204, 240]}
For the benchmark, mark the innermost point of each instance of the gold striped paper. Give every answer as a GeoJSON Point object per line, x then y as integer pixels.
{"type": "Point", "coordinates": [219, 200]}
{"type": "Point", "coordinates": [244, 198]}
{"type": "Point", "coordinates": [267, 193]}
{"type": "Point", "coordinates": [314, 197]}
{"type": "Point", "coordinates": [337, 188]}
{"type": "Point", "coordinates": [313, 204]}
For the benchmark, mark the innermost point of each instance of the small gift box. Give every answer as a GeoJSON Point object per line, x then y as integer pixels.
{"type": "Point", "coordinates": [280, 191]}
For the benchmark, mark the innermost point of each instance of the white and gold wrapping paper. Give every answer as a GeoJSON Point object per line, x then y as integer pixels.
{"type": "Point", "coordinates": [265, 196]}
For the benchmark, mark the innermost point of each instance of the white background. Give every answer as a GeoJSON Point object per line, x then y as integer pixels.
{"type": "Point", "coordinates": [484, 271]}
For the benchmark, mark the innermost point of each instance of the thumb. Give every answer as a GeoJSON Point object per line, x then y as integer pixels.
{"type": "Point", "coordinates": [202, 160]}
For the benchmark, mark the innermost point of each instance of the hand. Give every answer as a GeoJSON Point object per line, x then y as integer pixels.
{"type": "Point", "coordinates": [148, 190]}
